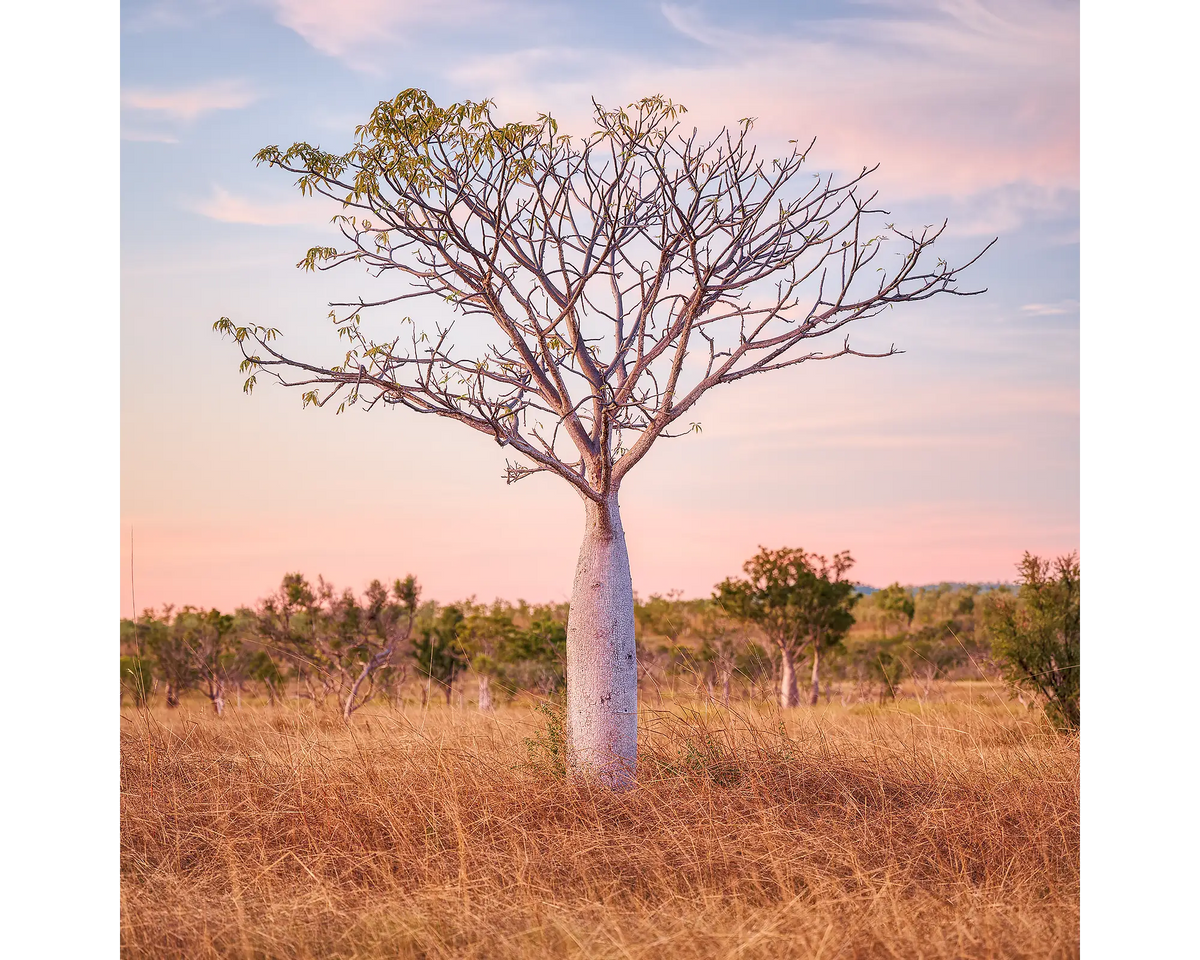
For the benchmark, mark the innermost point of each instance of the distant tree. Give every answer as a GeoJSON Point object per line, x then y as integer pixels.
{"type": "Point", "coordinates": [208, 638]}
{"type": "Point", "coordinates": [136, 679]}
{"type": "Point", "coordinates": [1035, 636]}
{"type": "Point", "coordinates": [535, 656]}
{"type": "Point", "coordinates": [665, 617]}
{"type": "Point", "coordinates": [437, 653]}
{"type": "Point", "coordinates": [799, 600]}
{"type": "Point", "coordinates": [625, 274]}
{"type": "Point", "coordinates": [881, 664]}
{"type": "Point", "coordinates": [483, 638]}
{"type": "Point", "coordinates": [261, 667]}
{"type": "Point", "coordinates": [338, 644]}
{"type": "Point", "coordinates": [828, 610]}
{"type": "Point", "coordinates": [720, 641]}
{"type": "Point", "coordinates": [172, 657]}
{"type": "Point", "coordinates": [896, 603]}
{"type": "Point", "coordinates": [383, 623]}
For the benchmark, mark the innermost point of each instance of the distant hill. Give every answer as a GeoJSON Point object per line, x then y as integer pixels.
{"type": "Point", "coordinates": [866, 590]}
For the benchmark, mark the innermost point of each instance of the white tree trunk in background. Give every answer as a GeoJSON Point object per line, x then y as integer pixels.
{"type": "Point", "coordinates": [601, 654]}
{"type": "Point", "coordinates": [789, 694]}
{"type": "Point", "coordinates": [485, 693]}
{"type": "Point", "coordinates": [816, 674]}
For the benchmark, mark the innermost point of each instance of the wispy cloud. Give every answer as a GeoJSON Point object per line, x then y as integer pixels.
{"type": "Point", "coordinates": [147, 136]}
{"type": "Point", "coordinates": [950, 97]}
{"type": "Point", "coordinates": [231, 208]}
{"type": "Point", "coordinates": [188, 103]}
{"type": "Point", "coordinates": [172, 14]}
{"type": "Point", "coordinates": [356, 30]}
{"type": "Point", "coordinates": [1061, 308]}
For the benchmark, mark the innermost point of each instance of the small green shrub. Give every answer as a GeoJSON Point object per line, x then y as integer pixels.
{"type": "Point", "coordinates": [547, 748]}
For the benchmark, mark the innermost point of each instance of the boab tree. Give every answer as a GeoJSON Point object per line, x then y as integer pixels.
{"type": "Point", "coordinates": [610, 281]}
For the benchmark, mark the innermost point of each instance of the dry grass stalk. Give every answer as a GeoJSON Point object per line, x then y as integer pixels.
{"type": "Point", "coordinates": [841, 833]}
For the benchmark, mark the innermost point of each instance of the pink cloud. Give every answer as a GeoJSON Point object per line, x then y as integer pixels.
{"type": "Point", "coordinates": [354, 30]}
{"type": "Point", "coordinates": [230, 208]}
{"type": "Point", "coordinates": [954, 101]}
{"type": "Point", "coordinates": [188, 103]}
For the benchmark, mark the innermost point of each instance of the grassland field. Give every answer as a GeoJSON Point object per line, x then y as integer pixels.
{"type": "Point", "coordinates": [912, 829]}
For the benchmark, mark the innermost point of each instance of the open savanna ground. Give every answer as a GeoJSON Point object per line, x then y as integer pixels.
{"type": "Point", "coordinates": [948, 829]}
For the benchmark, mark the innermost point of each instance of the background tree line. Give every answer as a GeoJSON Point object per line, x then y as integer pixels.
{"type": "Point", "coordinates": [793, 612]}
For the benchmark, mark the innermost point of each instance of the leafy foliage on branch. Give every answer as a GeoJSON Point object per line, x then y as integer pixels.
{"type": "Point", "coordinates": [796, 598]}
{"type": "Point", "coordinates": [1035, 636]}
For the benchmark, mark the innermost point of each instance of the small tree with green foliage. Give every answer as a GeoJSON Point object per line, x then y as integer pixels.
{"type": "Point", "coordinates": [437, 653]}
{"type": "Point", "coordinates": [482, 639]}
{"type": "Point", "coordinates": [799, 600]}
{"type": "Point", "coordinates": [263, 668]}
{"type": "Point", "coordinates": [536, 657]}
{"type": "Point", "coordinates": [169, 652]}
{"type": "Point", "coordinates": [1035, 636]}
{"type": "Point", "coordinates": [208, 637]}
{"type": "Point", "coordinates": [896, 604]}
{"type": "Point", "coordinates": [336, 640]}
{"type": "Point", "coordinates": [136, 679]}
{"type": "Point", "coordinates": [720, 641]}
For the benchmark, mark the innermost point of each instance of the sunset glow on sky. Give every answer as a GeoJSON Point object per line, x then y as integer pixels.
{"type": "Point", "coordinates": [943, 463]}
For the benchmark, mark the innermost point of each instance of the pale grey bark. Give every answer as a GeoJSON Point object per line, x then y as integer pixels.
{"type": "Point", "coordinates": [602, 654]}
{"type": "Point", "coordinates": [816, 674]}
{"type": "Point", "coordinates": [485, 693]}
{"type": "Point", "coordinates": [789, 693]}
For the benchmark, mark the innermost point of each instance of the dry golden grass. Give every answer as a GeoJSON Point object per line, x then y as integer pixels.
{"type": "Point", "coordinates": [948, 831]}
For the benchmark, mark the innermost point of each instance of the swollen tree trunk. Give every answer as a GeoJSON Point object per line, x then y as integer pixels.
{"type": "Point", "coordinates": [816, 676]}
{"type": "Point", "coordinates": [602, 654]}
{"type": "Point", "coordinates": [725, 687]}
{"type": "Point", "coordinates": [485, 692]}
{"type": "Point", "coordinates": [789, 694]}
{"type": "Point", "coordinates": [172, 696]}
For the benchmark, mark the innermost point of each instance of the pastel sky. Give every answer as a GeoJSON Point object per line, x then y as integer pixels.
{"type": "Point", "coordinates": [944, 463]}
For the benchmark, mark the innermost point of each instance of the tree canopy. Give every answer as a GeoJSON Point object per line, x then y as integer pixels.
{"type": "Point", "coordinates": [624, 273]}
{"type": "Point", "coordinates": [799, 600]}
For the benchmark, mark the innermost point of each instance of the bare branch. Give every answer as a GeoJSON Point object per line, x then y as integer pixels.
{"type": "Point", "coordinates": [602, 285]}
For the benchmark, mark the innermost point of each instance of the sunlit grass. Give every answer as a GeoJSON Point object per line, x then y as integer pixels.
{"type": "Point", "coordinates": [944, 829]}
